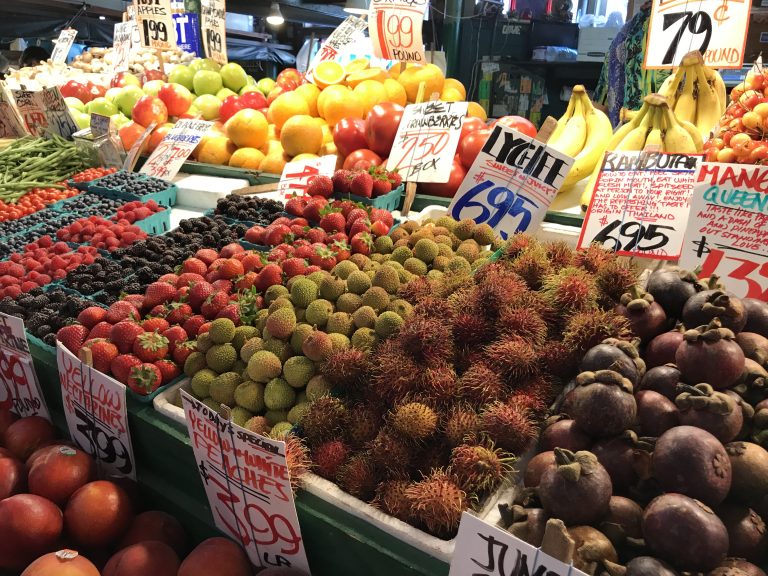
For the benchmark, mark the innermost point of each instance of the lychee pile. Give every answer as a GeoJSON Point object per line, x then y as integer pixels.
{"type": "Point", "coordinates": [136, 210]}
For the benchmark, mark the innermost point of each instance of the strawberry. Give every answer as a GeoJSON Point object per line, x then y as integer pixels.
{"type": "Point", "coordinates": [136, 300]}
{"type": "Point", "coordinates": [340, 249]}
{"type": "Point", "coordinates": [150, 347]}
{"type": "Point", "coordinates": [159, 293]}
{"type": "Point", "coordinates": [124, 333]}
{"type": "Point", "coordinates": [276, 234]}
{"type": "Point", "coordinates": [121, 310]}
{"type": "Point", "coordinates": [246, 281]}
{"type": "Point", "coordinates": [378, 228]}
{"type": "Point", "coordinates": [360, 225]}
{"type": "Point", "coordinates": [175, 334]}
{"type": "Point", "coordinates": [101, 330]}
{"type": "Point", "coordinates": [169, 278]}
{"type": "Point", "coordinates": [316, 235]}
{"type": "Point", "coordinates": [356, 214]}
{"type": "Point", "coordinates": [379, 214]}
{"type": "Point", "coordinates": [270, 275]}
{"type": "Point", "coordinates": [160, 311]}
{"type": "Point", "coordinates": [395, 179]}
{"type": "Point", "coordinates": [362, 185]}
{"type": "Point", "coordinates": [199, 293]}
{"type": "Point", "coordinates": [312, 269]}
{"type": "Point", "coordinates": [304, 252]}
{"type": "Point", "coordinates": [230, 250]}
{"type": "Point", "coordinates": [179, 312]}
{"type": "Point", "coordinates": [362, 243]}
{"type": "Point", "coordinates": [320, 186]}
{"type": "Point", "coordinates": [144, 379]}
{"type": "Point", "coordinates": [381, 187]}
{"type": "Point", "coordinates": [231, 268]}
{"type": "Point", "coordinates": [222, 285]}
{"type": "Point", "coordinates": [121, 366]}
{"type": "Point", "coordinates": [255, 234]}
{"type": "Point", "coordinates": [299, 222]}
{"type": "Point", "coordinates": [188, 279]}
{"type": "Point", "coordinates": [294, 267]}
{"type": "Point", "coordinates": [313, 209]}
{"type": "Point", "coordinates": [253, 262]}
{"type": "Point", "coordinates": [324, 258]}
{"type": "Point", "coordinates": [341, 180]}
{"type": "Point", "coordinates": [92, 316]}
{"type": "Point", "coordinates": [231, 311]}
{"type": "Point", "coordinates": [155, 324]}
{"type": "Point", "coordinates": [183, 350]}
{"type": "Point", "coordinates": [295, 205]}
{"type": "Point", "coordinates": [213, 304]}
{"type": "Point", "coordinates": [207, 255]}
{"type": "Point", "coordinates": [346, 206]}
{"type": "Point", "coordinates": [297, 231]}
{"type": "Point", "coordinates": [72, 337]}
{"type": "Point", "coordinates": [333, 222]}
{"type": "Point", "coordinates": [192, 325]}
{"type": "Point", "coordinates": [204, 328]}
{"type": "Point", "coordinates": [102, 353]}
{"type": "Point", "coordinates": [168, 370]}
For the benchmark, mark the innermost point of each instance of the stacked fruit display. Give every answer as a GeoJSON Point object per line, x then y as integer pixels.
{"type": "Point", "coordinates": [654, 439]}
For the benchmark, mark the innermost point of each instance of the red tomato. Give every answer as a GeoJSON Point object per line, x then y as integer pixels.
{"type": "Point", "coordinates": [446, 189]}
{"type": "Point", "coordinates": [349, 135]}
{"type": "Point", "coordinates": [76, 89]}
{"type": "Point", "coordinates": [381, 126]}
{"type": "Point", "coordinates": [470, 125]}
{"type": "Point", "coordinates": [517, 123]}
{"type": "Point", "coordinates": [362, 160]}
{"type": "Point", "coordinates": [470, 146]}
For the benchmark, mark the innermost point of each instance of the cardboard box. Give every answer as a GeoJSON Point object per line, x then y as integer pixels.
{"type": "Point", "coordinates": [594, 43]}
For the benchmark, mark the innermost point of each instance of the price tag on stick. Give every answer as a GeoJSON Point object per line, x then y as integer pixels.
{"type": "Point", "coordinates": [716, 28]}
{"type": "Point", "coordinates": [248, 486]}
{"type": "Point", "coordinates": [727, 231]}
{"type": "Point", "coordinates": [33, 115]}
{"type": "Point", "coordinates": [170, 155]}
{"type": "Point", "coordinates": [19, 387]}
{"type": "Point", "coordinates": [156, 27]}
{"type": "Point", "coordinates": [122, 44]}
{"type": "Point", "coordinates": [395, 29]}
{"type": "Point", "coordinates": [342, 38]}
{"type": "Point", "coordinates": [640, 204]}
{"type": "Point", "coordinates": [213, 15]}
{"type": "Point", "coordinates": [63, 45]}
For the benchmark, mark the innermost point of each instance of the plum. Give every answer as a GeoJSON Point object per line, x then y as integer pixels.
{"type": "Point", "coordinates": [561, 432]}
{"type": "Point", "coordinates": [655, 413]}
{"type": "Point", "coordinates": [577, 490]}
{"type": "Point", "coordinates": [602, 403]}
{"type": "Point", "coordinates": [693, 462]}
{"type": "Point", "coordinates": [746, 532]}
{"type": "Point", "coordinates": [648, 566]}
{"type": "Point", "coordinates": [684, 532]}
{"type": "Point", "coordinates": [671, 288]}
{"type": "Point", "coordinates": [662, 379]}
{"type": "Point", "coordinates": [626, 459]}
{"type": "Point", "coordinates": [750, 472]}
{"type": "Point", "coordinates": [710, 354]}
{"type": "Point", "coordinates": [705, 306]}
{"type": "Point", "coordinates": [757, 316]}
{"type": "Point", "coordinates": [647, 318]}
{"type": "Point", "coordinates": [754, 346]}
{"type": "Point", "coordinates": [617, 355]}
{"type": "Point", "coordinates": [716, 412]}
{"type": "Point", "coordinates": [661, 350]}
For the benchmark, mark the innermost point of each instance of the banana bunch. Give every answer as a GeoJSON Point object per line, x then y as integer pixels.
{"type": "Point", "coordinates": [655, 125]}
{"type": "Point", "coordinates": [582, 133]}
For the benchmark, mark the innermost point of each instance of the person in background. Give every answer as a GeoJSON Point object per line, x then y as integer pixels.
{"type": "Point", "coordinates": [32, 56]}
{"type": "Point", "coordinates": [623, 82]}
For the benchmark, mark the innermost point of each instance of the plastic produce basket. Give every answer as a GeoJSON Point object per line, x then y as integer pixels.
{"type": "Point", "coordinates": [156, 224]}
{"type": "Point", "coordinates": [389, 201]}
{"type": "Point", "coordinates": [165, 197]}
{"type": "Point", "coordinates": [149, 398]}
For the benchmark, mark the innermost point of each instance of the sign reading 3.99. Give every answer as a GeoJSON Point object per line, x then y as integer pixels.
{"type": "Point", "coordinates": [156, 27]}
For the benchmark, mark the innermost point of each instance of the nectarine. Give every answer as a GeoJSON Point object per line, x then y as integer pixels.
{"type": "Point", "coordinates": [12, 477]}
{"type": "Point", "coordinates": [151, 558]}
{"type": "Point", "coordinates": [29, 527]}
{"type": "Point", "coordinates": [98, 514]}
{"type": "Point", "coordinates": [156, 525]}
{"type": "Point", "coordinates": [216, 556]}
{"type": "Point", "coordinates": [61, 563]}
{"type": "Point", "coordinates": [27, 435]}
{"type": "Point", "coordinates": [58, 473]}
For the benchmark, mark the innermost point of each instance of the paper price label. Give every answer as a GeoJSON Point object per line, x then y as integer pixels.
{"type": "Point", "coordinates": [248, 486]}
{"type": "Point", "coordinates": [296, 175]}
{"type": "Point", "coordinates": [122, 45]}
{"type": "Point", "coordinates": [213, 14]}
{"type": "Point", "coordinates": [96, 414]}
{"type": "Point", "coordinates": [19, 388]}
{"type": "Point", "coordinates": [426, 141]}
{"type": "Point", "coordinates": [170, 155]}
{"type": "Point", "coordinates": [716, 28]}
{"type": "Point", "coordinates": [727, 232]}
{"type": "Point", "coordinates": [395, 29]}
{"type": "Point", "coordinates": [341, 39]}
{"type": "Point", "coordinates": [33, 116]}
{"type": "Point", "coordinates": [60, 121]}
{"type": "Point", "coordinates": [63, 45]}
{"type": "Point", "coordinates": [640, 204]}
{"type": "Point", "coordinates": [100, 125]}
{"type": "Point", "coordinates": [11, 123]}
{"type": "Point", "coordinates": [156, 27]}
{"type": "Point", "coordinates": [511, 183]}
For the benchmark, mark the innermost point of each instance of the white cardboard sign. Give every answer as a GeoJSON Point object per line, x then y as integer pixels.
{"type": "Point", "coordinates": [96, 414]}
{"type": "Point", "coordinates": [155, 20]}
{"type": "Point", "coordinates": [170, 155]}
{"type": "Point", "coordinates": [296, 175]}
{"type": "Point", "coordinates": [11, 123]}
{"type": "Point", "coordinates": [122, 44]}
{"type": "Point", "coordinates": [246, 480]}
{"type": "Point", "coordinates": [395, 29]}
{"type": "Point", "coordinates": [63, 45]}
{"type": "Point", "coordinates": [511, 183]}
{"type": "Point", "coordinates": [342, 38]}
{"type": "Point", "coordinates": [213, 22]}
{"type": "Point", "coordinates": [19, 387]}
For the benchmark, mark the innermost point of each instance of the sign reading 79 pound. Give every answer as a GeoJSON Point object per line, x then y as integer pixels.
{"type": "Point", "coordinates": [156, 27]}
{"type": "Point", "coordinates": [395, 29]}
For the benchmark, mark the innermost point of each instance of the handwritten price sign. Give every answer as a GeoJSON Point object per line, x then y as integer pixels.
{"type": "Point", "coordinates": [156, 27]}
{"type": "Point", "coordinates": [248, 487]}
{"type": "Point", "coordinates": [395, 29]}
{"type": "Point", "coordinates": [63, 45]}
{"type": "Point", "coordinates": [11, 123]}
{"type": "Point", "coordinates": [716, 28]}
{"type": "Point", "coordinates": [640, 204]}
{"type": "Point", "coordinates": [122, 43]}
{"type": "Point", "coordinates": [170, 155]}
{"type": "Point", "coordinates": [296, 175]}
{"type": "Point", "coordinates": [213, 15]}
{"type": "Point", "coordinates": [511, 183]}
{"type": "Point", "coordinates": [342, 38]}
{"type": "Point", "coordinates": [96, 414]}
{"type": "Point", "coordinates": [727, 231]}
{"type": "Point", "coordinates": [19, 387]}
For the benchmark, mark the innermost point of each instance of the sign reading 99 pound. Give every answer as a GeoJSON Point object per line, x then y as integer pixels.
{"type": "Point", "coordinates": [395, 30]}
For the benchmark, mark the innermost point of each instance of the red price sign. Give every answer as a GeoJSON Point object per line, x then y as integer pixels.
{"type": "Point", "coordinates": [395, 29]}
{"type": "Point", "coordinates": [296, 175]}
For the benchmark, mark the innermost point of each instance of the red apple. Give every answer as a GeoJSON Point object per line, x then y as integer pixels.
{"type": "Point", "coordinates": [470, 146]}
{"type": "Point", "coordinates": [274, 93]}
{"type": "Point", "coordinates": [381, 126]}
{"type": "Point", "coordinates": [149, 109]}
{"type": "Point", "coordinates": [78, 90]}
{"type": "Point", "coordinates": [254, 100]}
{"type": "Point", "coordinates": [229, 107]}
{"type": "Point", "coordinates": [124, 79]}
{"type": "Point", "coordinates": [289, 77]}
{"type": "Point", "coordinates": [349, 135]}
{"type": "Point", "coordinates": [177, 98]}
{"type": "Point", "coordinates": [96, 90]}
{"type": "Point", "coordinates": [150, 75]}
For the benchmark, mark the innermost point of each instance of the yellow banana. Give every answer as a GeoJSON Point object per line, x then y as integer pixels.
{"type": "Point", "coordinates": [654, 136]}
{"type": "Point", "coordinates": [694, 133]}
{"type": "Point", "coordinates": [627, 128]}
{"type": "Point", "coordinates": [670, 86]}
{"type": "Point", "coordinates": [676, 138]}
{"type": "Point", "coordinates": [572, 139]}
{"type": "Point", "coordinates": [716, 81]}
{"type": "Point", "coordinates": [563, 120]}
{"type": "Point", "coordinates": [707, 104]}
{"type": "Point", "coordinates": [599, 132]}
{"type": "Point", "coordinates": [586, 195]}
{"type": "Point", "coordinates": [685, 105]}
{"type": "Point", "coordinates": [635, 140]}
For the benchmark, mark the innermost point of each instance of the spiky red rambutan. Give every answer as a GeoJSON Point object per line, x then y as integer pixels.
{"type": "Point", "coordinates": [394, 374]}
{"type": "Point", "coordinates": [437, 503]}
{"type": "Point", "coordinates": [296, 459]}
{"type": "Point", "coordinates": [510, 425]}
{"type": "Point", "coordinates": [324, 420]}
{"type": "Point", "coordinates": [416, 290]}
{"type": "Point", "coordinates": [479, 468]}
{"type": "Point", "coordinates": [587, 329]}
{"type": "Point", "coordinates": [570, 290]}
{"type": "Point", "coordinates": [329, 457]}
{"type": "Point", "coordinates": [434, 457]}
{"type": "Point", "coordinates": [489, 271]}
{"type": "Point", "coordinates": [613, 280]}
{"type": "Point", "coordinates": [414, 421]}
{"type": "Point", "coordinates": [388, 452]}
{"type": "Point", "coordinates": [532, 266]}
{"type": "Point", "coordinates": [358, 477]}
{"type": "Point", "coordinates": [559, 253]}
{"type": "Point", "coordinates": [592, 258]}
{"type": "Point", "coordinates": [517, 243]}
{"type": "Point", "coordinates": [513, 358]}
{"type": "Point", "coordinates": [363, 423]}
{"type": "Point", "coordinates": [524, 323]}
{"type": "Point", "coordinates": [346, 369]}
{"type": "Point", "coordinates": [470, 331]}
{"type": "Point", "coordinates": [480, 384]}
{"type": "Point", "coordinates": [392, 499]}
{"type": "Point", "coordinates": [440, 385]}
{"type": "Point", "coordinates": [489, 299]}
{"type": "Point", "coordinates": [451, 282]}
{"type": "Point", "coordinates": [427, 340]}
{"type": "Point", "coordinates": [431, 307]}
{"type": "Point", "coordinates": [536, 394]}
{"type": "Point", "coordinates": [460, 425]}
{"type": "Point", "coordinates": [557, 359]}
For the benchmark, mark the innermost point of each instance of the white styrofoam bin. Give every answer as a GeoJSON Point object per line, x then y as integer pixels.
{"type": "Point", "coordinates": [595, 42]}
{"type": "Point", "coordinates": [198, 191]}
{"type": "Point", "coordinates": [163, 403]}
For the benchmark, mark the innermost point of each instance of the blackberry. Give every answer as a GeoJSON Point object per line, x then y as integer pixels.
{"type": "Point", "coordinates": [43, 331]}
{"type": "Point", "coordinates": [39, 301]}
{"type": "Point", "coordinates": [50, 339]}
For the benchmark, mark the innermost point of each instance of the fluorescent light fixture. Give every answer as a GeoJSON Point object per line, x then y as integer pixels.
{"type": "Point", "coordinates": [356, 6]}
{"type": "Point", "coordinates": [102, 17]}
{"type": "Point", "coordinates": [275, 17]}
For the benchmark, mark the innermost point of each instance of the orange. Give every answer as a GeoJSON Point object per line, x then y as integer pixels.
{"type": "Point", "coordinates": [340, 105]}
{"type": "Point", "coordinates": [368, 74]}
{"type": "Point", "coordinates": [356, 65]}
{"type": "Point", "coordinates": [475, 110]}
{"type": "Point", "coordinates": [395, 92]}
{"type": "Point", "coordinates": [274, 163]}
{"type": "Point", "coordinates": [328, 73]}
{"type": "Point", "coordinates": [413, 76]}
{"type": "Point", "coordinates": [327, 133]}
{"type": "Point", "coordinates": [301, 135]}
{"type": "Point", "coordinates": [455, 84]}
{"type": "Point", "coordinates": [328, 148]}
{"type": "Point", "coordinates": [247, 128]}
{"type": "Point", "coordinates": [217, 150]}
{"type": "Point", "coordinates": [304, 156]}
{"type": "Point", "coordinates": [451, 95]}
{"type": "Point", "coordinates": [395, 70]}
{"type": "Point", "coordinates": [287, 105]}
{"type": "Point", "coordinates": [325, 94]}
{"type": "Point", "coordinates": [247, 158]}
{"type": "Point", "coordinates": [370, 92]}
{"type": "Point", "coordinates": [130, 133]}
{"type": "Point", "coordinates": [309, 92]}
{"type": "Point", "coordinates": [271, 147]}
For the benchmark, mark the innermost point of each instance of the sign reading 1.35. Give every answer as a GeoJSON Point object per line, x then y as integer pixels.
{"type": "Point", "coordinates": [156, 27]}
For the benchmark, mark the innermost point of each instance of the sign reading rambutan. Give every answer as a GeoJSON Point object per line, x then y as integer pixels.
{"type": "Point", "coordinates": [510, 425]}
{"type": "Point", "coordinates": [437, 503]}
{"type": "Point", "coordinates": [479, 468]}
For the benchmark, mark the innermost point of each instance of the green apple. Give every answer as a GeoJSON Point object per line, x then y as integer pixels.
{"type": "Point", "coordinates": [75, 103]}
{"type": "Point", "coordinates": [101, 106]}
{"type": "Point", "coordinates": [203, 64]}
{"type": "Point", "coordinates": [207, 82]}
{"type": "Point", "coordinates": [224, 93]}
{"type": "Point", "coordinates": [152, 87]}
{"type": "Point", "coordinates": [250, 80]}
{"type": "Point", "coordinates": [119, 120]}
{"type": "Point", "coordinates": [183, 75]}
{"type": "Point", "coordinates": [249, 88]}
{"type": "Point", "coordinates": [208, 105]}
{"type": "Point", "coordinates": [234, 76]}
{"type": "Point", "coordinates": [82, 119]}
{"type": "Point", "coordinates": [112, 93]}
{"type": "Point", "coordinates": [266, 85]}
{"type": "Point", "coordinates": [127, 98]}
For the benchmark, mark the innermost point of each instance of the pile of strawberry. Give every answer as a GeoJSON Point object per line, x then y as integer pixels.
{"type": "Point", "coordinates": [41, 263]}
{"type": "Point", "coordinates": [136, 210]}
{"type": "Point", "coordinates": [101, 233]}
{"type": "Point", "coordinates": [372, 183]}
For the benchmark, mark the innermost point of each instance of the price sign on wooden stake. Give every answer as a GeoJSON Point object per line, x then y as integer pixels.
{"type": "Point", "coordinates": [19, 388]}
{"type": "Point", "coordinates": [213, 14]}
{"type": "Point", "coordinates": [296, 175]}
{"type": "Point", "coordinates": [11, 123]}
{"type": "Point", "coordinates": [395, 29]}
{"type": "Point", "coordinates": [121, 44]}
{"type": "Point", "coordinates": [170, 155]}
{"type": "Point", "coordinates": [156, 27]}
{"type": "Point", "coordinates": [63, 45]}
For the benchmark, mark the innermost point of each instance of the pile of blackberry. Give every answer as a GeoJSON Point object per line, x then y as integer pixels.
{"type": "Point", "coordinates": [44, 313]}
{"type": "Point", "coordinates": [103, 276]}
{"type": "Point", "coordinates": [93, 205]}
{"type": "Point", "coordinates": [249, 208]}
{"type": "Point", "coordinates": [133, 183]}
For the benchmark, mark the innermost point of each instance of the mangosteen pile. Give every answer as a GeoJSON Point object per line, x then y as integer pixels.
{"type": "Point", "coordinates": [656, 459]}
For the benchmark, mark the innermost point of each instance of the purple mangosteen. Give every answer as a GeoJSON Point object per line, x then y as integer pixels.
{"type": "Point", "coordinates": [754, 346]}
{"type": "Point", "coordinates": [750, 474]}
{"type": "Point", "coordinates": [710, 354]}
{"type": "Point", "coordinates": [626, 458]}
{"type": "Point", "coordinates": [671, 288]}
{"type": "Point", "coordinates": [648, 566]}
{"type": "Point", "coordinates": [746, 532]}
{"type": "Point", "coordinates": [562, 432]}
{"type": "Point", "coordinates": [738, 567]}
{"type": "Point", "coordinates": [757, 316]}
{"type": "Point", "coordinates": [662, 379]}
{"type": "Point", "coordinates": [617, 355]}
{"type": "Point", "coordinates": [707, 305]}
{"type": "Point", "coordinates": [602, 403]}
{"type": "Point", "coordinates": [661, 350]}
{"type": "Point", "coordinates": [655, 413]}
{"type": "Point", "coordinates": [536, 467]}
{"type": "Point", "coordinates": [646, 317]}
{"type": "Point", "coordinates": [716, 412]}
{"type": "Point", "coordinates": [753, 384]}
{"type": "Point", "coordinates": [623, 521]}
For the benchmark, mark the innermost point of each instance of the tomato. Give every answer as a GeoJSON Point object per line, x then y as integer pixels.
{"type": "Point", "coordinates": [381, 126]}
{"type": "Point", "coordinates": [517, 123]}
{"type": "Point", "coordinates": [470, 125]}
{"type": "Point", "coordinates": [446, 189]}
{"type": "Point", "coordinates": [362, 160]}
{"type": "Point", "coordinates": [78, 90]}
{"type": "Point", "coordinates": [470, 146]}
{"type": "Point", "coordinates": [349, 135]}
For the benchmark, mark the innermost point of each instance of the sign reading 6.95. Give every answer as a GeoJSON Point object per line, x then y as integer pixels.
{"type": "Point", "coordinates": [489, 204]}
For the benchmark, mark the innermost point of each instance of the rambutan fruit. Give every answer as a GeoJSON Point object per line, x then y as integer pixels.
{"type": "Point", "coordinates": [460, 425]}
{"type": "Point", "coordinates": [570, 290]}
{"type": "Point", "coordinates": [358, 477]}
{"type": "Point", "coordinates": [509, 425]}
{"type": "Point", "coordinates": [592, 258]}
{"type": "Point", "coordinates": [613, 280]}
{"type": "Point", "coordinates": [524, 323]}
{"type": "Point", "coordinates": [532, 266]}
{"type": "Point", "coordinates": [296, 459]}
{"type": "Point", "coordinates": [490, 298]}
{"type": "Point", "coordinates": [416, 290]}
{"type": "Point", "coordinates": [324, 420]}
{"type": "Point", "coordinates": [388, 452]}
{"type": "Point", "coordinates": [584, 330]}
{"type": "Point", "coordinates": [392, 499]}
{"type": "Point", "coordinates": [479, 468]}
{"type": "Point", "coordinates": [426, 340]}
{"type": "Point", "coordinates": [536, 394]}
{"type": "Point", "coordinates": [470, 331]}
{"type": "Point", "coordinates": [440, 384]}
{"type": "Point", "coordinates": [450, 282]}
{"type": "Point", "coordinates": [513, 358]}
{"type": "Point", "coordinates": [431, 308]}
{"type": "Point", "coordinates": [480, 384]}
{"type": "Point", "coordinates": [328, 457]}
{"type": "Point", "coordinates": [559, 253]}
{"type": "Point", "coordinates": [363, 423]}
{"type": "Point", "coordinates": [394, 374]}
{"type": "Point", "coordinates": [491, 270]}
{"type": "Point", "coordinates": [414, 421]}
{"type": "Point", "coordinates": [556, 359]}
{"type": "Point", "coordinates": [346, 369]}
{"type": "Point", "coordinates": [437, 503]}
{"type": "Point", "coordinates": [517, 243]}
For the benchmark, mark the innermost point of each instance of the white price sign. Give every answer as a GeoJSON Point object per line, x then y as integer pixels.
{"type": "Point", "coordinates": [11, 123]}
{"type": "Point", "coordinates": [296, 175]}
{"type": "Point", "coordinates": [96, 414]}
{"type": "Point", "coordinates": [170, 155]}
{"type": "Point", "coordinates": [511, 183]}
{"type": "Point", "coordinates": [716, 28]}
{"type": "Point", "coordinates": [341, 39]}
{"type": "Point", "coordinates": [426, 141]}
{"type": "Point", "coordinates": [247, 482]}
{"type": "Point", "coordinates": [122, 45]}
{"type": "Point", "coordinates": [63, 45]}
{"type": "Point", "coordinates": [395, 29]}
{"type": "Point", "coordinates": [45, 112]}
{"type": "Point", "coordinates": [213, 22]}
{"type": "Point", "coordinates": [19, 388]}
{"type": "Point", "coordinates": [156, 27]}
